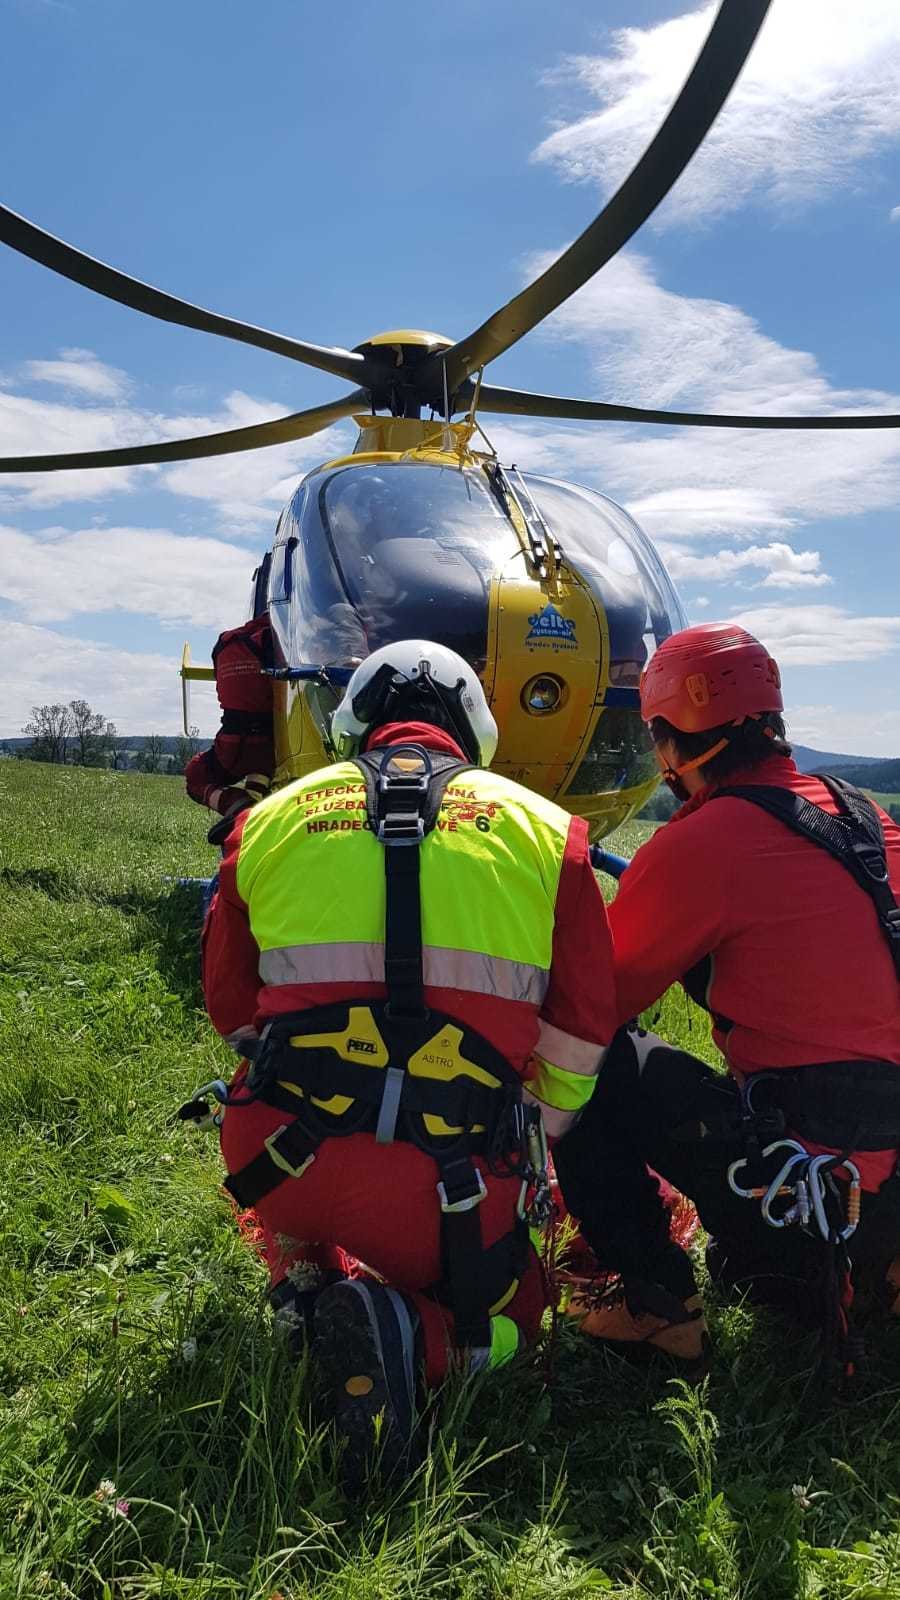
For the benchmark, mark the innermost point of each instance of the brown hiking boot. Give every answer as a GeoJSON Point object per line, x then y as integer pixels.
{"type": "Point", "coordinates": [648, 1319]}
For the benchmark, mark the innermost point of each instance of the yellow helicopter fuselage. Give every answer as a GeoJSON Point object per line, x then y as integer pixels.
{"type": "Point", "coordinates": [500, 583]}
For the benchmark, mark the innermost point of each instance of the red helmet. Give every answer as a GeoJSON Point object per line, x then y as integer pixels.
{"type": "Point", "coordinates": [704, 677]}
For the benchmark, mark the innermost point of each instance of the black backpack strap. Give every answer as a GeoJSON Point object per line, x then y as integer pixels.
{"type": "Point", "coordinates": [405, 785]}
{"type": "Point", "coordinates": [854, 838]}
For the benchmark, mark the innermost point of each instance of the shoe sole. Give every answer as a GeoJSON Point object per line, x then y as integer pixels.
{"type": "Point", "coordinates": [644, 1353]}
{"type": "Point", "coordinates": [349, 1351]}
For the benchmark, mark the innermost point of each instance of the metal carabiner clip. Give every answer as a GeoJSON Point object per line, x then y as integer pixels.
{"type": "Point", "coordinates": [779, 1184]}
{"type": "Point", "coordinates": [817, 1192]}
{"type": "Point", "coordinates": [755, 1194]}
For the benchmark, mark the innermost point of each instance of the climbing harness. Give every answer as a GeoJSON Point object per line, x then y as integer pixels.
{"type": "Point", "coordinates": [400, 1070]}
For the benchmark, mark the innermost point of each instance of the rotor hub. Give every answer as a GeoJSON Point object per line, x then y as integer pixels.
{"type": "Point", "coordinates": [401, 354]}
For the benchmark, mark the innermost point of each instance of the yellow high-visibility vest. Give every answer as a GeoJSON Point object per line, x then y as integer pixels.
{"type": "Point", "coordinates": [311, 874]}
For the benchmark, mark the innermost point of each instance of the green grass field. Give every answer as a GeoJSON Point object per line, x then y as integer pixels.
{"type": "Point", "coordinates": [155, 1440]}
{"type": "Point", "coordinates": [886, 801]}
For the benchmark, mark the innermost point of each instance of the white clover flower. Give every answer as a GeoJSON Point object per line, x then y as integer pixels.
{"type": "Point", "coordinates": [189, 1350]}
{"type": "Point", "coordinates": [304, 1275]}
{"type": "Point", "coordinates": [288, 1321]}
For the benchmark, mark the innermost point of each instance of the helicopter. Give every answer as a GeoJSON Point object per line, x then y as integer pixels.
{"type": "Point", "coordinates": [550, 590]}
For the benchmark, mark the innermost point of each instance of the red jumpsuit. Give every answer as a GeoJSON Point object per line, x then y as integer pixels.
{"type": "Point", "coordinates": [238, 768]}
{"type": "Point", "coordinates": [799, 964]}
{"type": "Point", "coordinates": [377, 1202]}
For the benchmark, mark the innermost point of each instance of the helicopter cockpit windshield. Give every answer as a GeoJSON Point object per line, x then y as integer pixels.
{"type": "Point", "coordinates": [370, 553]}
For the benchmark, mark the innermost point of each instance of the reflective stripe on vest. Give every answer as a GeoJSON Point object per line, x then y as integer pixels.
{"type": "Point", "coordinates": [443, 969]}
{"type": "Point", "coordinates": [312, 877]}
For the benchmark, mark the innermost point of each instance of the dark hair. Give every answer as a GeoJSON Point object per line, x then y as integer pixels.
{"type": "Point", "coordinates": [748, 745]}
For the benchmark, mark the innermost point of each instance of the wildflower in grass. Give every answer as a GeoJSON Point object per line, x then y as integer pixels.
{"type": "Point", "coordinates": [122, 1508]}
{"type": "Point", "coordinates": [305, 1275]}
{"type": "Point", "coordinates": [105, 1490]}
{"type": "Point", "coordinates": [288, 1321]}
{"type": "Point", "coordinates": [188, 1350]}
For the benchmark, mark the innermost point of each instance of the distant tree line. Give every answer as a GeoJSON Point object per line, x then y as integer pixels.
{"type": "Point", "coordinates": [881, 776]}
{"type": "Point", "coordinates": [76, 735]}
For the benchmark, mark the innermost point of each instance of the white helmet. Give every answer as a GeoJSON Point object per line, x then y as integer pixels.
{"type": "Point", "coordinates": [416, 680]}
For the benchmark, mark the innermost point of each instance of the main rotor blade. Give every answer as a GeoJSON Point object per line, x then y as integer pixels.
{"type": "Point", "coordinates": [30, 240]}
{"type": "Point", "coordinates": [707, 88]}
{"type": "Point", "coordinates": [519, 403]}
{"type": "Point", "coordinates": [281, 430]}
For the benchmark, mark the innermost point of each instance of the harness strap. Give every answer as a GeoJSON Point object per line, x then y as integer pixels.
{"type": "Point", "coordinates": [854, 838]}
{"type": "Point", "coordinates": [247, 722]}
{"type": "Point", "coordinates": [404, 789]}
{"type": "Point", "coordinates": [286, 1154]}
{"type": "Point", "coordinates": [461, 1191]}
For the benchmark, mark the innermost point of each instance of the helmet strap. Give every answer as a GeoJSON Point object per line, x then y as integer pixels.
{"type": "Point", "coordinates": [673, 775]}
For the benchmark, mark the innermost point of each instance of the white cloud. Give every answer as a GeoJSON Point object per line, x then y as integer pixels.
{"type": "Point", "coordinates": [861, 732]}
{"type": "Point", "coordinates": [82, 371]}
{"type": "Point", "coordinates": [895, 215]}
{"type": "Point", "coordinates": [242, 488]}
{"type": "Point", "coordinates": [139, 693]}
{"type": "Point", "coordinates": [29, 427]}
{"type": "Point", "coordinates": [820, 636]}
{"type": "Point", "coordinates": [53, 575]}
{"type": "Point", "coordinates": [649, 346]}
{"type": "Point", "coordinates": [819, 94]}
{"type": "Point", "coordinates": [784, 568]}
{"type": "Point", "coordinates": [245, 489]}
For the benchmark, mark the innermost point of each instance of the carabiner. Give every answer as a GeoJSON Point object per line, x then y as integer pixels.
{"type": "Point", "coordinates": [779, 1184]}
{"type": "Point", "coordinates": [817, 1189]}
{"type": "Point", "coordinates": [755, 1194]}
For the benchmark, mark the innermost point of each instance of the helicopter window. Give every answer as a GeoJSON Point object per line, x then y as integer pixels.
{"type": "Point", "coordinates": [619, 756]}
{"type": "Point", "coordinates": [622, 569]}
{"type": "Point", "coordinates": [395, 550]}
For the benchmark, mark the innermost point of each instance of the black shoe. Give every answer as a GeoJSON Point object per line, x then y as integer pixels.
{"type": "Point", "coordinates": [294, 1303]}
{"type": "Point", "coordinates": [365, 1343]}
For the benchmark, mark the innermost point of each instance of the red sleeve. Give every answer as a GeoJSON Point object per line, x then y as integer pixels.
{"type": "Point", "coordinates": [229, 952]}
{"type": "Point", "coordinates": [197, 776]}
{"type": "Point", "coordinates": [581, 996]}
{"type": "Point", "coordinates": [669, 912]}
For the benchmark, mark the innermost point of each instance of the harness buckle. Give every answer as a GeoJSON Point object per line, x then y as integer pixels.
{"type": "Point", "coordinates": [468, 1201]}
{"type": "Point", "coordinates": [401, 827]}
{"type": "Point", "coordinates": [872, 860]}
{"type": "Point", "coordinates": [280, 1160]}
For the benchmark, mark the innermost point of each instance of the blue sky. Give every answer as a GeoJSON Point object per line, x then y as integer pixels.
{"type": "Point", "coordinates": [330, 172]}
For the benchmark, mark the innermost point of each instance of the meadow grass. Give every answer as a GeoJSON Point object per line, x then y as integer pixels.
{"type": "Point", "coordinates": [156, 1439]}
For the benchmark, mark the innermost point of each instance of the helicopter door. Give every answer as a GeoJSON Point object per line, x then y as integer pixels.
{"type": "Point", "coordinates": [554, 650]}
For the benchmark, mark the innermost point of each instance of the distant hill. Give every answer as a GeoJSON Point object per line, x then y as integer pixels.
{"type": "Point", "coordinates": [881, 776]}
{"type": "Point", "coordinates": [824, 760]}
{"type": "Point", "coordinates": [130, 741]}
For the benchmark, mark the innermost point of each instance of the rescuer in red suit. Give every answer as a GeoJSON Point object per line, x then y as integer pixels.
{"type": "Point", "coordinates": [237, 769]}
{"type": "Point", "coordinates": [799, 967]}
{"type": "Point", "coordinates": [512, 948]}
